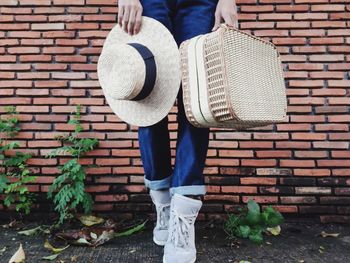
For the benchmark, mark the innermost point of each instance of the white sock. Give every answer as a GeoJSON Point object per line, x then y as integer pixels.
{"type": "Point", "coordinates": [161, 196]}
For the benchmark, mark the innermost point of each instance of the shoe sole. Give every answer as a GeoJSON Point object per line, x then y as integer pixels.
{"type": "Point", "coordinates": [164, 261]}
{"type": "Point", "coordinates": [159, 243]}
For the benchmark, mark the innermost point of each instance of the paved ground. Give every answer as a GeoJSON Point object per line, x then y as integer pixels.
{"type": "Point", "coordinates": [298, 242]}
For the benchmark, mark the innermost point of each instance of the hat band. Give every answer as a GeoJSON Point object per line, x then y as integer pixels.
{"type": "Point", "coordinates": [151, 71]}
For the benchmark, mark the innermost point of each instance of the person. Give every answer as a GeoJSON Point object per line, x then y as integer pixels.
{"type": "Point", "coordinates": [177, 192]}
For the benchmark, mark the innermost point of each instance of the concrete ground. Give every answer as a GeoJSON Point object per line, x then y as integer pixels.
{"type": "Point", "coordinates": [298, 243]}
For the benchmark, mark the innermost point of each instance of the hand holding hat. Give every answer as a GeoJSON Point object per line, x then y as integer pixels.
{"type": "Point", "coordinates": [130, 15]}
{"type": "Point", "coordinates": [140, 74]}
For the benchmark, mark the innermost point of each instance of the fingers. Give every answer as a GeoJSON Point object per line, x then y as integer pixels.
{"type": "Point", "coordinates": [130, 26]}
{"type": "Point", "coordinates": [235, 20]}
{"type": "Point", "coordinates": [130, 16]}
{"type": "Point", "coordinates": [126, 18]}
{"type": "Point", "coordinates": [120, 15]}
{"type": "Point", "coordinates": [217, 20]}
{"type": "Point", "coordinates": [234, 16]}
{"type": "Point", "coordinates": [138, 21]}
{"type": "Point", "coordinates": [228, 18]}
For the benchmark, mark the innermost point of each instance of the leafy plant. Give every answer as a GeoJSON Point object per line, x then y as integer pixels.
{"type": "Point", "coordinates": [68, 189]}
{"type": "Point", "coordinates": [15, 174]}
{"type": "Point", "coordinates": [251, 223]}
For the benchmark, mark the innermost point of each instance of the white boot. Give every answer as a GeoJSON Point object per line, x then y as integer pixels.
{"type": "Point", "coordinates": [161, 199]}
{"type": "Point", "coordinates": [180, 246]}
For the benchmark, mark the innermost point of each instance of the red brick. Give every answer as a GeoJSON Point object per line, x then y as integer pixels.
{"type": "Point", "coordinates": [323, 8]}
{"type": "Point", "coordinates": [33, 75]}
{"type": "Point", "coordinates": [239, 189]}
{"type": "Point", "coordinates": [258, 181]}
{"type": "Point", "coordinates": [64, 18]}
{"type": "Point", "coordinates": [50, 67]}
{"type": "Point", "coordinates": [313, 190]}
{"type": "Point", "coordinates": [312, 172]}
{"type": "Point", "coordinates": [115, 179]}
{"type": "Point", "coordinates": [9, 42]}
{"type": "Point", "coordinates": [23, 34]}
{"type": "Point", "coordinates": [9, 2]}
{"type": "Point", "coordinates": [23, 50]}
{"type": "Point", "coordinates": [111, 198]}
{"type": "Point", "coordinates": [97, 188]}
{"type": "Point", "coordinates": [31, 18]}
{"type": "Point", "coordinates": [99, 18]}
{"type": "Point", "coordinates": [71, 42]}
{"type": "Point", "coordinates": [58, 34]}
{"type": "Point", "coordinates": [6, 92]}
{"type": "Point", "coordinates": [16, 101]}
{"type": "Point", "coordinates": [274, 16]}
{"type": "Point", "coordinates": [333, 163]}
{"type": "Point", "coordinates": [311, 154]}
{"type": "Point", "coordinates": [49, 10]}
{"type": "Point", "coordinates": [68, 2]}
{"type": "Point", "coordinates": [298, 199]}
{"type": "Point", "coordinates": [35, 58]}
{"type": "Point", "coordinates": [8, 59]}
{"type": "Point", "coordinates": [297, 163]}
{"type": "Point", "coordinates": [81, 26]}
{"type": "Point", "coordinates": [83, 10]}
{"type": "Point", "coordinates": [58, 50]}
{"type": "Point", "coordinates": [308, 15]}
{"type": "Point", "coordinates": [48, 101]}
{"type": "Point", "coordinates": [87, 101]}
{"type": "Point", "coordinates": [261, 199]}
{"type": "Point", "coordinates": [34, 2]}
{"type": "Point", "coordinates": [101, 2]}
{"type": "Point", "coordinates": [49, 26]}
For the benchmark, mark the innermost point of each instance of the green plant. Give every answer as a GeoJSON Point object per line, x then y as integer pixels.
{"type": "Point", "coordinates": [68, 189]}
{"type": "Point", "coordinates": [15, 174]}
{"type": "Point", "coordinates": [252, 223]}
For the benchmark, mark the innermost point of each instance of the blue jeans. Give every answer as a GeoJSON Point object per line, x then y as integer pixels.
{"type": "Point", "coordinates": [184, 19]}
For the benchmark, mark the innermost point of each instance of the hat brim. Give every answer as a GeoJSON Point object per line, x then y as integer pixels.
{"type": "Point", "coordinates": [159, 102]}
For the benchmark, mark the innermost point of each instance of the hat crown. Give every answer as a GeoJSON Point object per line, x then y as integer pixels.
{"type": "Point", "coordinates": [127, 76]}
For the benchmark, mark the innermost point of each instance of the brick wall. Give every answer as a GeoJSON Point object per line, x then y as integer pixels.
{"type": "Point", "coordinates": [48, 54]}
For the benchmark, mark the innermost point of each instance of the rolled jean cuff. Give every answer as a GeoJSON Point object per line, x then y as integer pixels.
{"type": "Point", "coordinates": [188, 190]}
{"type": "Point", "coordinates": [158, 184]}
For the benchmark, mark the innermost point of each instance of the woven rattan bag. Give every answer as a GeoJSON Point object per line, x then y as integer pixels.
{"type": "Point", "coordinates": [231, 79]}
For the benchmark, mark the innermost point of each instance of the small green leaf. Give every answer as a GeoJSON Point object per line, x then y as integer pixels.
{"type": "Point", "coordinates": [252, 218]}
{"type": "Point", "coordinates": [131, 230]}
{"type": "Point", "coordinates": [244, 231]}
{"type": "Point", "coordinates": [256, 237]}
{"type": "Point", "coordinates": [253, 206]}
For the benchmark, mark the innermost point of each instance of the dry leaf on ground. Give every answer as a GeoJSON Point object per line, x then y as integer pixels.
{"type": "Point", "coordinates": [324, 234]}
{"type": "Point", "coordinates": [54, 249]}
{"type": "Point", "coordinates": [274, 230]}
{"type": "Point", "coordinates": [90, 220]}
{"type": "Point", "coordinates": [19, 256]}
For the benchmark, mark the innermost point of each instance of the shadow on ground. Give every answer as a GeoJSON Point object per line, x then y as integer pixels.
{"type": "Point", "coordinates": [298, 242]}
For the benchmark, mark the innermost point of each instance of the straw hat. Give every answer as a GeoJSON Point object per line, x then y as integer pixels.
{"type": "Point", "coordinates": [140, 74]}
{"type": "Point", "coordinates": [232, 79]}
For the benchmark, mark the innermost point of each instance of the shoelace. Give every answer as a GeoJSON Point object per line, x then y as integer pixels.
{"type": "Point", "coordinates": [180, 228]}
{"type": "Point", "coordinates": [161, 215]}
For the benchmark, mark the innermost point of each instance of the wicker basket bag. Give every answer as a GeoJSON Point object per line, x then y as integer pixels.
{"type": "Point", "coordinates": [231, 79]}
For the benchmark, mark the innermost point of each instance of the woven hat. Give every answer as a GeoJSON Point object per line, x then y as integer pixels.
{"type": "Point", "coordinates": [140, 74]}
{"type": "Point", "coordinates": [232, 79]}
